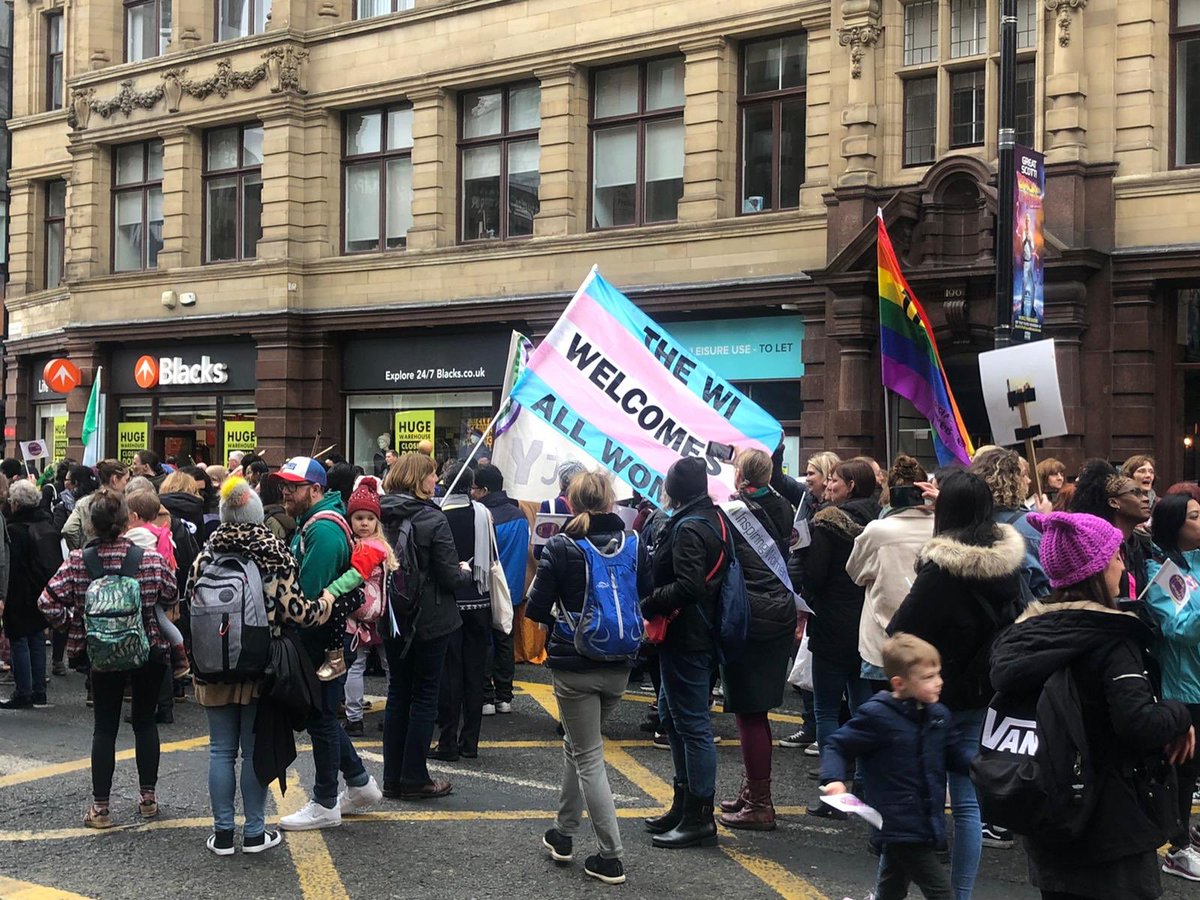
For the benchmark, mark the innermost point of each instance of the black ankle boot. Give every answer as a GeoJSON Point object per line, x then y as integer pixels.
{"type": "Point", "coordinates": [673, 816]}
{"type": "Point", "coordinates": [696, 829]}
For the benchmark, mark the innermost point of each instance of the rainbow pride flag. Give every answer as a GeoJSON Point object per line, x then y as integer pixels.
{"type": "Point", "coordinates": [909, 355]}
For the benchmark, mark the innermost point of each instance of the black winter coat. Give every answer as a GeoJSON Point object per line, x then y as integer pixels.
{"type": "Point", "coordinates": [34, 555]}
{"type": "Point", "coordinates": [561, 580]}
{"type": "Point", "coordinates": [945, 606]}
{"type": "Point", "coordinates": [687, 552]}
{"type": "Point", "coordinates": [772, 607]}
{"type": "Point", "coordinates": [188, 507]}
{"type": "Point", "coordinates": [1127, 730]}
{"type": "Point", "coordinates": [437, 560]}
{"type": "Point", "coordinates": [905, 749]}
{"type": "Point", "coordinates": [819, 572]}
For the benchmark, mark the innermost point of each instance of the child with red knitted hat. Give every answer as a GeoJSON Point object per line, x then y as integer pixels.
{"type": "Point", "coordinates": [370, 562]}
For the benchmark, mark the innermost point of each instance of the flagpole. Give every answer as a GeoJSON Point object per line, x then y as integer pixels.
{"type": "Point", "coordinates": [479, 443]}
{"type": "Point", "coordinates": [887, 428]}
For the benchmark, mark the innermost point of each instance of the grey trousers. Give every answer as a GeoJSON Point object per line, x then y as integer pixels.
{"type": "Point", "coordinates": [585, 701]}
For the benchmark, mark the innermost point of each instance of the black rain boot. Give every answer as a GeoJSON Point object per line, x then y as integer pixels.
{"type": "Point", "coordinates": [697, 829]}
{"type": "Point", "coordinates": [673, 816]}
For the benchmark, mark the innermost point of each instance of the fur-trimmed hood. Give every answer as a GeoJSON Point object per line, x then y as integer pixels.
{"type": "Point", "coordinates": [999, 560]}
{"type": "Point", "coordinates": [848, 520]}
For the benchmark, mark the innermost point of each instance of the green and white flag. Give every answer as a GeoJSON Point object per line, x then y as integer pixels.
{"type": "Point", "coordinates": [93, 424]}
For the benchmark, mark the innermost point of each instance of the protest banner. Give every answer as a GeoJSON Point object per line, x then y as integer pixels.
{"type": "Point", "coordinates": [131, 437]}
{"type": "Point", "coordinates": [617, 385]}
{"type": "Point", "coordinates": [31, 450]}
{"type": "Point", "coordinates": [412, 427]}
{"type": "Point", "coordinates": [527, 449]}
{"type": "Point", "coordinates": [240, 434]}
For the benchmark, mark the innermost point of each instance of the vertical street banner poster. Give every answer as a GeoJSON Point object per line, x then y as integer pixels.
{"type": "Point", "coordinates": [1028, 296]}
{"type": "Point", "coordinates": [59, 451]}
{"type": "Point", "coordinates": [131, 437]}
{"type": "Point", "coordinates": [412, 427]}
{"type": "Point", "coordinates": [240, 434]}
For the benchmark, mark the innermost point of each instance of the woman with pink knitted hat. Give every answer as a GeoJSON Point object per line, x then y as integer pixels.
{"type": "Point", "coordinates": [1130, 733]}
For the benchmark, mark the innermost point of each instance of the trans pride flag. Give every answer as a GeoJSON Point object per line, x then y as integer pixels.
{"type": "Point", "coordinates": [618, 386]}
{"type": "Point", "coordinates": [910, 361]}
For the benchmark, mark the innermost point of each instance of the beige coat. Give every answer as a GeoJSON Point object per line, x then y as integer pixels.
{"type": "Point", "coordinates": [883, 562]}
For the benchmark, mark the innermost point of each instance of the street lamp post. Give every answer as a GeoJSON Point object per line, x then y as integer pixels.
{"type": "Point", "coordinates": [1006, 174]}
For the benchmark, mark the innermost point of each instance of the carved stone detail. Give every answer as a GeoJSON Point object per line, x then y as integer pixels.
{"type": "Point", "coordinates": [1062, 10]}
{"type": "Point", "coordinates": [328, 9]}
{"type": "Point", "coordinates": [281, 68]}
{"type": "Point", "coordinates": [858, 38]}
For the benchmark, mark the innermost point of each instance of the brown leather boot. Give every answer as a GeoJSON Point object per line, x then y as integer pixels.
{"type": "Point", "coordinates": [759, 812]}
{"type": "Point", "coordinates": [738, 803]}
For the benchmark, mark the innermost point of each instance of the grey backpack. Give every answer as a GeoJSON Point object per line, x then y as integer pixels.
{"type": "Point", "coordinates": [231, 635]}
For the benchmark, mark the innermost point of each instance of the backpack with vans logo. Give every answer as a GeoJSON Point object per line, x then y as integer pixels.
{"type": "Point", "coordinates": [609, 625]}
{"type": "Point", "coordinates": [732, 628]}
{"type": "Point", "coordinates": [231, 633]}
{"type": "Point", "coordinates": [112, 614]}
{"type": "Point", "coordinates": [1035, 773]}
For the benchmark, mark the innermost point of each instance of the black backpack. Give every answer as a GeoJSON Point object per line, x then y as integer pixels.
{"type": "Point", "coordinates": [1035, 772]}
{"type": "Point", "coordinates": [404, 585]}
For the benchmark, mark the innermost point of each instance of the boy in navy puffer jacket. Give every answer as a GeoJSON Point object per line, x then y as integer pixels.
{"type": "Point", "coordinates": [906, 745]}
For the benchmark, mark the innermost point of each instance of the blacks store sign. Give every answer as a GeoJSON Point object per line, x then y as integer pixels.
{"type": "Point", "coordinates": [433, 362]}
{"type": "Point", "coordinates": [184, 368]}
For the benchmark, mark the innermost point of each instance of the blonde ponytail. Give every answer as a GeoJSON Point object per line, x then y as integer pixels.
{"type": "Point", "coordinates": [591, 494]}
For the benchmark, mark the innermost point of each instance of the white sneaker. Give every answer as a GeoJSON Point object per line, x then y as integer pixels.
{"type": "Point", "coordinates": [1184, 863]}
{"type": "Point", "coordinates": [503, 707]}
{"type": "Point", "coordinates": [355, 800]}
{"type": "Point", "coordinates": [813, 749]}
{"type": "Point", "coordinates": [312, 817]}
{"type": "Point", "coordinates": [489, 709]}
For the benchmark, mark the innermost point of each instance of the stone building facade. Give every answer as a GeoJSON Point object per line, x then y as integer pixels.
{"type": "Point", "coordinates": [312, 216]}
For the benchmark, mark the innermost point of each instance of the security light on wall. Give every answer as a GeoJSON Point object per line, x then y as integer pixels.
{"type": "Point", "coordinates": [168, 299]}
{"type": "Point", "coordinates": [187, 298]}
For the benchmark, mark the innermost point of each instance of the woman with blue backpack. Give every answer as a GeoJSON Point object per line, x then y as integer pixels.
{"type": "Point", "coordinates": [105, 595]}
{"type": "Point", "coordinates": [592, 645]}
{"type": "Point", "coordinates": [690, 563]}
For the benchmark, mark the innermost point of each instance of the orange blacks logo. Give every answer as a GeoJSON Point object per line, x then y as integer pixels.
{"type": "Point", "coordinates": [61, 375]}
{"type": "Point", "coordinates": [145, 372]}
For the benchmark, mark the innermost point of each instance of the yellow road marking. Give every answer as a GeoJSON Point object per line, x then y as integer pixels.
{"type": "Point", "coordinates": [76, 764]}
{"type": "Point", "coordinates": [11, 889]}
{"type": "Point", "coordinates": [775, 876]}
{"type": "Point", "coordinates": [310, 854]}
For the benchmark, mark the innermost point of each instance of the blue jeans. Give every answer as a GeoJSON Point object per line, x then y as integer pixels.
{"type": "Point", "coordinates": [831, 681]}
{"type": "Point", "coordinates": [412, 708]}
{"type": "Point", "coordinates": [331, 748]}
{"type": "Point", "coordinates": [968, 837]}
{"type": "Point", "coordinates": [29, 665]}
{"type": "Point", "coordinates": [229, 727]}
{"type": "Point", "coordinates": [683, 711]}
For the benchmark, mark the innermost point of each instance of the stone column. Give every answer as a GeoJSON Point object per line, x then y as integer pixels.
{"type": "Point", "coordinates": [298, 379]}
{"type": "Point", "coordinates": [284, 181]}
{"type": "Point", "coordinates": [855, 422]}
{"type": "Point", "coordinates": [1067, 85]}
{"type": "Point", "coordinates": [563, 191]}
{"type": "Point", "coordinates": [435, 174]}
{"type": "Point", "coordinates": [1137, 328]}
{"type": "Point", "coordinates": [17, 378]}
{"type": "Point", "coordinates": [820, 78]}
{"type": "Point", "coordinates": [709, 118]}
{"type": "Point", "coordinates": [182, 189]}
{"type": "Point", "coordinates": [1141, 74]}
{"type": "Point", "coordinates": [191, 26]}
{"type": "Point", "coordinates": [24, 245]}
{"type": "Point", "coordinates": [861, 34]}
{"type": "Point", "coordinates": [88, 231]}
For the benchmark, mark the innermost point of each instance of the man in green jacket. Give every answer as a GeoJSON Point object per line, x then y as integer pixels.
{"type": "Point", "coordinates": [322, 549]}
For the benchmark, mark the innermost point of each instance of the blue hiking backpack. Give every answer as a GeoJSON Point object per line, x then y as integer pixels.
{"type": "Point", "coordinates": [732, 629]}
{"type": "Point", "coordinates": [610, 626]}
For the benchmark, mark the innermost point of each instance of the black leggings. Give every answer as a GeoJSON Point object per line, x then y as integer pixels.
{"type": "Point", "coordinates": [107, 691]}
{"type": "Point", "coordinates": [1187, 773]}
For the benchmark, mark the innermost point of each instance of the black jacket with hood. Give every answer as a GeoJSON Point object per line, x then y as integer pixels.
{"type": "Point", "coordinates": [819, 572]}
{"type": "Point", "coordinates": [946, 606]}
{"type": "Point", "coordinates": [437, 560]}
{"type": "Point", "coordinates": [561, 580]}
{"type": "Point", "coordinates": [687, 551]}
{"type": "Point", "coordinates": [1127, 729]}
{"type": "Point", "coordinates": [34, 556]}
{"type": "Point", "coordinates": [188, 507]}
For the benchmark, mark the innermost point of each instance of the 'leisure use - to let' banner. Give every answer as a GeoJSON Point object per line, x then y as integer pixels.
{"type": "Point", "coordinates": [909, 358]}
{"type": "Point", "coordinates": [619, 386]}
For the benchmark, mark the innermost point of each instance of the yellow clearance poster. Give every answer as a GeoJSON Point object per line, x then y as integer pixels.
{"type": "Point", "coordinates": [412, 427]}
{"type": "Point", "coordinates": [59, 452]}
{"type": "Point", "coordinates": [131, 437]}
{"type": "Point", "coordinates": [240, 435]}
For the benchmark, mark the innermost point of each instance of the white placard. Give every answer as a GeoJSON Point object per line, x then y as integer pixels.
{"type": "Point", "coordinates": [547, 525]}
{"type": "Point", "coordinates": [1014, 368]}
{"type": "Point", "coordinates": [848, 803]}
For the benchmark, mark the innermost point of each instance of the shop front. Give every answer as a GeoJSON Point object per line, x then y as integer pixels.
{"type": "Point", "coordinates": [48, 410]}
{"type": "Point", "coordinates": [401, 390]}
{"type": "Point", "coordinates": [191, 401]}
{"type": "Point", "coordinates": [762, 357]}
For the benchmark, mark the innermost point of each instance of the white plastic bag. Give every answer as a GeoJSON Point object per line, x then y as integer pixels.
{"type": "Point", "coordinates": [801, 675]}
